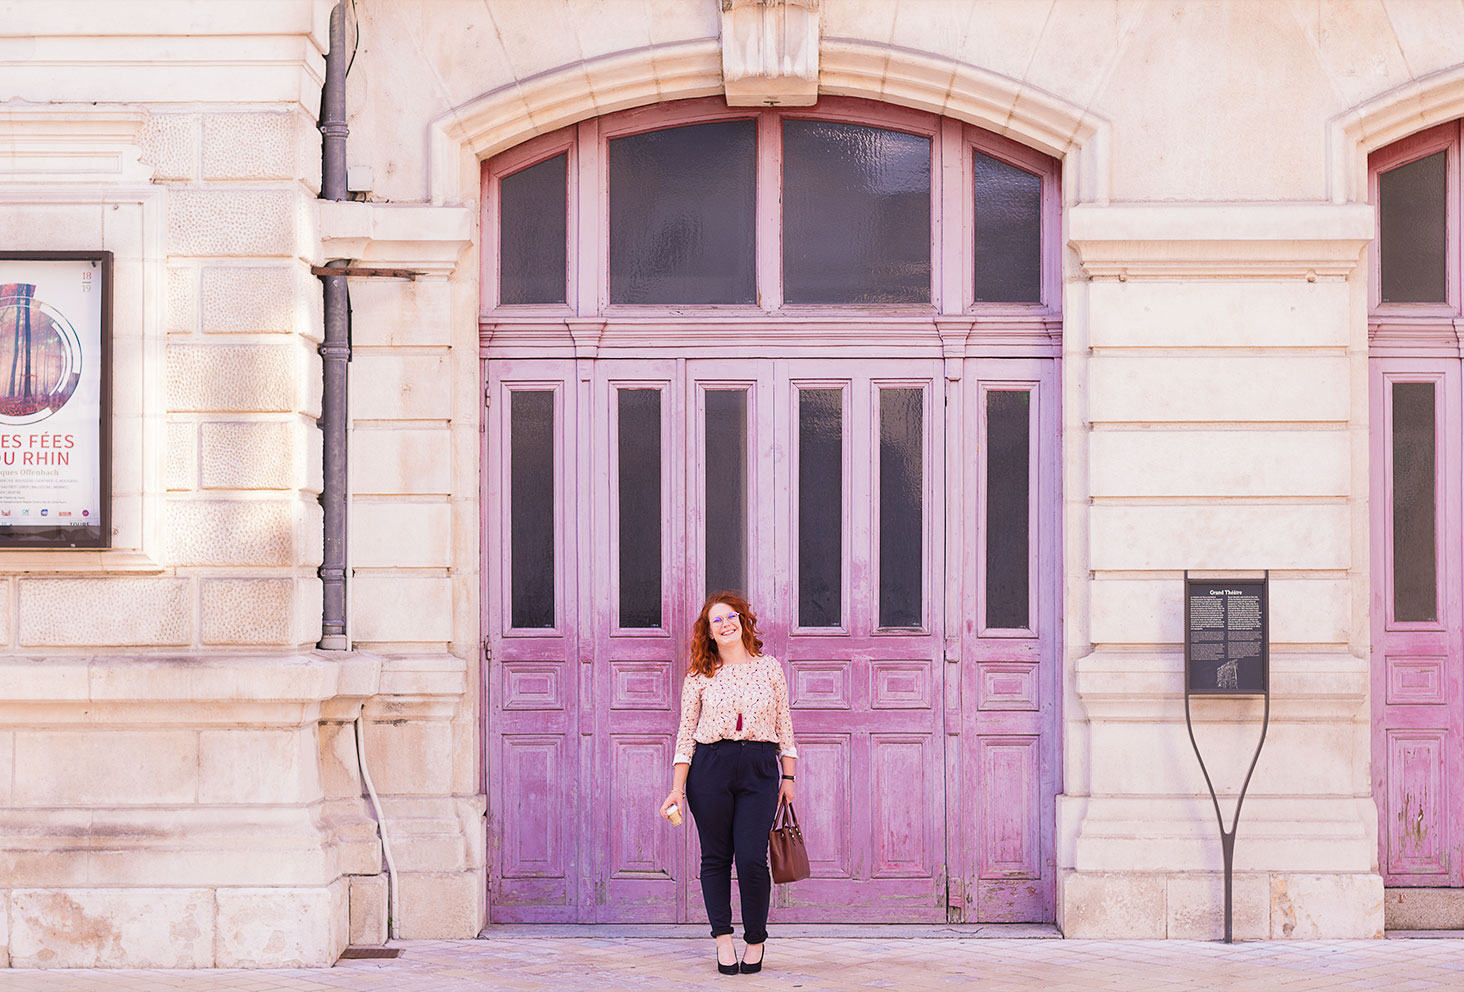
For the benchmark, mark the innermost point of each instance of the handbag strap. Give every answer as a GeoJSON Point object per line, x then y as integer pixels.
{"type": "Point", "coordinates": [788, 816]}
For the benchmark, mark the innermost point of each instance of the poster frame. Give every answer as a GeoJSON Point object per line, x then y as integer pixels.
{"type": "Point", "coordinates": [31, 542]}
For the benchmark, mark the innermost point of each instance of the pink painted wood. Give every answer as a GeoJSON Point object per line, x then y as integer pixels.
{"type": "Point", "coordinates": [916, 809]}
{"type": "Point", "coordinates": [928, 756]}
{"type": "Point", "coordinates": [533, 683]}
{"type": "Point", "coordinates": [1008, 732]}
{"type": "Point", "coordinates": [1418, 667]}
{"type": "Point", "coordinates": [637, 672]}
{"type": "Point", "coordinates": [868, 702]}
{"type": "Point", "coordinates": [1445, 138]}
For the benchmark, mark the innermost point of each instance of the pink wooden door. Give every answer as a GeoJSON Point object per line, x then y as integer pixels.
{"type": "Point", "coordinates": [636, 626]}
{"type": "Point", "coordinates": [1417, 621]}
{"type": "Point", "coordinates": [859, 595]}
{"type": "Point", "coordinates": [533, 683]}
{"type": "Point", "coordinates": [1007, 642]}
{"type": "Point", "coordinates": [730, 483]}
{"type": "Point", "coordinates": [894, 523]}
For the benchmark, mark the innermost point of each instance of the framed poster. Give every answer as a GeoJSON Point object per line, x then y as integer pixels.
{"type": "Point", "coordinates": [55, 399]}
{"type": "Point", "coordinates": [1227, 637]}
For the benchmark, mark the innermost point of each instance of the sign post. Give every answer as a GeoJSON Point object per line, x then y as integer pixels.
{"type": "Point", "coordinates": [1227, 653]}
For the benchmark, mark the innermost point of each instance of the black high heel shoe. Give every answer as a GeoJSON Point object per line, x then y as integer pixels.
{"type": "Point", "coordinates": [729, 969]}
{"type": "Point", "coordinates": [753, 969]}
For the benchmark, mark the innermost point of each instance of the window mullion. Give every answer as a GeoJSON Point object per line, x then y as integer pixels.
{"type": "Point", "coordinates": [591, 221]}
{"type": "Point", "coordinates": [1454, 258]}
{"type": "Point", "coordinates": [950, 249]}
{"type": "Point", "coordinates": [769, 226]}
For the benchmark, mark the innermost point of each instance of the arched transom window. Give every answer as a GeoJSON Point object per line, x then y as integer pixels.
{"type": "Point", "coordinates": [850, 205]}
{"type": "Point", "coordinates": [1416, 186]}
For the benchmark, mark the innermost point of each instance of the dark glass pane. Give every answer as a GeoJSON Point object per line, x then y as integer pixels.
{"type": "Point", "coordinates": [681, 215]}
{"type": "Point", "coordinates": [1415, 570]}
{"type": "Point", "coordinates": [531, 242]}
{"type": "Point", "coordinates": [901, 506]}
{"type": "Point", "coordinates": [1008, 233]}
{"type": "Point", "coordinates": [1008, 467]}
{"type": "Point", "coordinates": [1412, 205]}
{"type": "Point", "coordinates": [856, 214]}
{"type": "Point", "coordinates": [726, 502]}
{"type": "Point", "coordinates": [531, 507]}
{"type": "Point", "coordinates": [640, 507]}
{"type": "Point", "coordinates": [820, 507]}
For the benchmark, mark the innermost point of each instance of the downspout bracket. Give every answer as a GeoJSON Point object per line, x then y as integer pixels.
{"type": "Point", "coordinates": [365, 270]}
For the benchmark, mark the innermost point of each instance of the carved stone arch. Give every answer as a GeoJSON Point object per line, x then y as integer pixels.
{"type": "Point", "coordinates": [1403, 110]}
{"type": "Point", "coordinates": [504, 117]}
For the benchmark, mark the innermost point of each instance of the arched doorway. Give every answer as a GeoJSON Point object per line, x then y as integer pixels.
{"type": "Point", "coordinates": [811, 354]}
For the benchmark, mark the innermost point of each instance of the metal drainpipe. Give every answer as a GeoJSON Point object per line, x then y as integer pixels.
{"type": "Point", "coordinates": [335, 351]}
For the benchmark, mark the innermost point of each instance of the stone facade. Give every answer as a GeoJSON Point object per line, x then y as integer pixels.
{"type": "Point", "coordinates": [172, 745]}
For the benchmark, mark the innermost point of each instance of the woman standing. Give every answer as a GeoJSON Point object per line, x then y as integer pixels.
{"type": "Point", "coordinates": [735, 730]}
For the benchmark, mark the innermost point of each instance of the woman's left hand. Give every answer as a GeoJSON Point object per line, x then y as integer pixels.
{"type": "Point", "coordinates": [785, 794]}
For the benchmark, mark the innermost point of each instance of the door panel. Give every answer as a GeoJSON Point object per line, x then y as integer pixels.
{"type": "Point", "coordinates": [1415, 803]}
{"type": "Point", "coordinates": [927, 765]}
{"type": "Point", "coordinates": [637, 636]}
{"type": "Point", "coordinates": [1010, 768]}
{"type": "Point", "coordinates": [532, 684]}
{"type": "Point", "coordinates": [868, 700]}
{"type": "Point", "coordinates": [1418, 719]}
{"type": "Point", "coordinates": [730, 418]}
{"type": "Point", "coordinates": [1008, 645]}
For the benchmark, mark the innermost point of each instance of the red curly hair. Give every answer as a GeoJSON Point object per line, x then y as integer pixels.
{"type": "Point", "coordinates": [704, 657]}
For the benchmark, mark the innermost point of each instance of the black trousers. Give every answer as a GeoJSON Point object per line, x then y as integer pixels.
{"type": "Point", "coordinates": [732, 790]}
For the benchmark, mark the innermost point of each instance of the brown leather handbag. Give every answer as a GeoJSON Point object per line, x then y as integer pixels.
{"type": "Point", "coordinates": [787, 856]}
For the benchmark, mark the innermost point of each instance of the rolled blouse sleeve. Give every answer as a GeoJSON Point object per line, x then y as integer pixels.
{"type": "Point", "coordinates": [690, 715]}
{"type": "Point", "coordinates": [786, 747]}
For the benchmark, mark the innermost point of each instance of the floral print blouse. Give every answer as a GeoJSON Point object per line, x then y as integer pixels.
{"type": "Point", "coordinates": [744, 701]}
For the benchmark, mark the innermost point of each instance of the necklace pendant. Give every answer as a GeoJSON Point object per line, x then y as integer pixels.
{"type": "Point", "coordinates": [739, 721]}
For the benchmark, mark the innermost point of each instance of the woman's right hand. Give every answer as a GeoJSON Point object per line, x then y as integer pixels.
{"type": "Point", "coordinates": [673, 798]}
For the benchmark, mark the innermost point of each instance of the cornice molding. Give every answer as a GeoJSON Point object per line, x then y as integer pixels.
{"type": "Point", "coordinates": [67, 143]}
{"type": "Point", "coordinates": [1224, 240]}
{"type": "Point", "coordinates": [187, 678]}
{"type": "Point", "coordinates": [971, 335]}
{"type": "Point", "coordinates": [1415, 335]}
{"type": "Point", "coordinates": [1147, 687]}
{"type": "Point", "coordinates": [428, 239]}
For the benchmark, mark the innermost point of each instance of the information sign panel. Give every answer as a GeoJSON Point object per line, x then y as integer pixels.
{"type": "Point", "coordinates": [1227, 635]}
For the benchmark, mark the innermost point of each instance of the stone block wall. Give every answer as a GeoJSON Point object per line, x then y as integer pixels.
{"type": "Point", "coordinates": [414, 546]}
{"type": "Point", "coordinates": [180, 785]}
{"type": "Point", "coordinates": [169, 741]}
{"type": "Point", "coordinates": [1226, 363]}
{"type": "Point", "coordinates": [242, 372]}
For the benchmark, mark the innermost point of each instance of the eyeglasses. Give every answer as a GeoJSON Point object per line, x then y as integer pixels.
{"type": "Point", "coordinates": [718, 621]}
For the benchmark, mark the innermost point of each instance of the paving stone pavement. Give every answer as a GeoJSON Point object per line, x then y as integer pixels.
{"type": "Point", "coordinates": [613, 964]}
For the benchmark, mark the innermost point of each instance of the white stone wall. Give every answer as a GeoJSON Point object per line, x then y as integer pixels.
{"type": "Point", "coordinates": [1215, 296]}
{"type": "Point", "coordinates": [180, 785]}
{"type": "Point", "coordinates": [1241, 328]}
